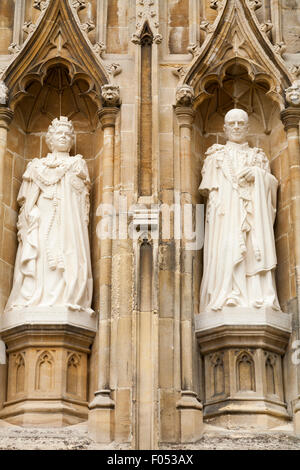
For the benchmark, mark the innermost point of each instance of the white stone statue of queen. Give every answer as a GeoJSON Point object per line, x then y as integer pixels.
{"type": "Point", "coordinates": [53, 266]}
{"type": "Point", "coordinates": [239, 246]}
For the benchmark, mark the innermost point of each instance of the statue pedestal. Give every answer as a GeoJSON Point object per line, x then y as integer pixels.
{"type": "Point", "coordinates": [48, 352]}
{"type": "Point", "coordinates": [242, 351]}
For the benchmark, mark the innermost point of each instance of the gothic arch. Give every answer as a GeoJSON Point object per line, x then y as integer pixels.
{"type": "Point", "coordinates": [56, 39]}
{"type": "Point", "coordinates": [245, 372]}
{"type": "Point", "coordinates": [237, 38]}
{"type": "Point", "coordinates": [44, 372]}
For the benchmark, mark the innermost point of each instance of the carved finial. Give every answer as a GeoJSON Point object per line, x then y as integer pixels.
{"type": "Point", "coordinates": [279, 48]}
{"type": "Point", "coordinates": [184, 95]}
{"type": "Point", "coordinates": [292, 93]}
{"type": "Point", "coordinates": [14, 48]}
{"type": "Point", "coordinates": [194, 49]}
{"type": "Point", "coordinates": [41, 4]}
{"type": "Point", "coordinates": [255, 4]}
{"type": "Point", "coordinates": [110, 95]}
{"type": "Point", "coordinates": [3, 93]}
{"type": "Point", "coordinates": [147, 19]}
{"type": "Point", "coordinates": [266, 27]}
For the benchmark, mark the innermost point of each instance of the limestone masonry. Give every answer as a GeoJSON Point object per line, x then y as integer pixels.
{"type": "Point", "coordinates": [150, 223]}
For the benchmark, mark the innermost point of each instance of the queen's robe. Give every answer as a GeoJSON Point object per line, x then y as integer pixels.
{"type": "Point", "coordinates": [53, 266]}
{"type": "Point", "coordinates": [239, 246]}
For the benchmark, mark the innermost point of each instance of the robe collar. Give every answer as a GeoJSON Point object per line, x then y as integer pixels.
{"type": "Point", "coordinates": [235, 145]}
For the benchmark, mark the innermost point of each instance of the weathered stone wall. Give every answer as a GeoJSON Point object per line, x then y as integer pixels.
{"type": "Point", "coordinates": [155, 161]}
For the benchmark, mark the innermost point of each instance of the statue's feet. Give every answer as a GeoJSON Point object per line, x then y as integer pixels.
{"type": "Point", "coordinates": [258, 303]}
{"type": "Point", "coordinates": [231, 302]}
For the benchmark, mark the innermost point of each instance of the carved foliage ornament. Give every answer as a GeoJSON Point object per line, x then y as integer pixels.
{"type": "Point", "coordinates": [184, 95]}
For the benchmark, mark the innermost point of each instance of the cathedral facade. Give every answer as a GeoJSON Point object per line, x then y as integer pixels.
{"type": "Point", "coordinates": [146, 84]}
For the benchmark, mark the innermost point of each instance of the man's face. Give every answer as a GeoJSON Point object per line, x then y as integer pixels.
{"type": "Point", "coordinates": [236, 127]}
{"type": "Point", "coordinates": [62, 139]}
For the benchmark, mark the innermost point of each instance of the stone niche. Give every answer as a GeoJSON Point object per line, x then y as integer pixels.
{"type": "Point", "coordinates": [48, 353]}
{"type": "Point", "coordinates": [242, 350]}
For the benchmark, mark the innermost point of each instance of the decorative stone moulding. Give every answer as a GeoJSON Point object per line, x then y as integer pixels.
{"type": "Point", "coordinates": [242, 351]}
{"type": "Point", "coordinates": [48, 352]}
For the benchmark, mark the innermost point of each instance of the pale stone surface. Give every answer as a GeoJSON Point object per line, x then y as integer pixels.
{"type": "Point", "coordinates": [83, 75]}
{"type": "Point", "coordinates": [239, 222]}
{"type": "Point", "coordinates": [53, 265]}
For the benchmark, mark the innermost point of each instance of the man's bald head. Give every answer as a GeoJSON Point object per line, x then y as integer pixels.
{"type": "Point", "coordinates": [236, 125]}
{"type": "Point", "coordinates": [236, 114]}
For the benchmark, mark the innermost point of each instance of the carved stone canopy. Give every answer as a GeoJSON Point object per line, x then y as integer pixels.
{"type": "Point", "coordinates": [57, 39]}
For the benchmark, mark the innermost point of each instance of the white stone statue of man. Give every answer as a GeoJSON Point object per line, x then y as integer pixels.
{"type": "Point", "coordinates": [239, 246]}
{"type": "Point", "coordinates": [53, 266]}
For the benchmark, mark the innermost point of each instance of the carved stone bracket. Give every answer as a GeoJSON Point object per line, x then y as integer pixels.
{"type": "Point", "coordinates": [292, 94]}
{"type": "Point", "coordinates": [184, 95]}
{"type": "Point", "coordinates": [290, 117]}
{"type": "Point", "coordinates": [110, 95]}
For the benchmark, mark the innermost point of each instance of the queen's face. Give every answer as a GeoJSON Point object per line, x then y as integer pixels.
{"type": "Point", "coordinates": [62, 139]}
{"type": "Point", "coordinates": [236, 127]}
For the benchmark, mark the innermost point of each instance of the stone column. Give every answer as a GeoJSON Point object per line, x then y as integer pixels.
{"type": "Point", "coordinates": [102, 407]}
{"type": "Point", "coordinates": [6, 116]}
{"type": "Point", "coordinates": [291, 118]}
{"type": "Point", "coordinates": [188, 405]}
